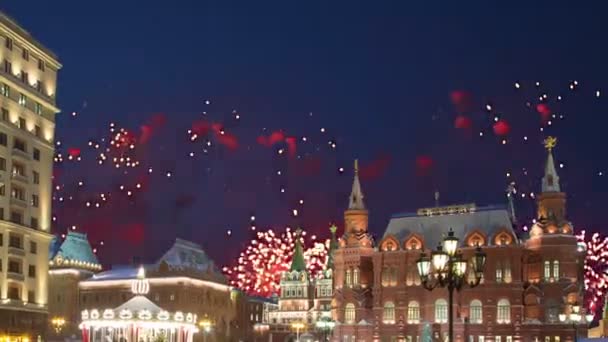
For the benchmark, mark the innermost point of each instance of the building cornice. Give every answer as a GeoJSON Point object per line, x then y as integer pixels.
{"type": "Point", "coordinates": [25, 38]}
{"type": "Point", "coordinates": [93, 284]}
{"type": "Point", "coordinates": [40, 233]}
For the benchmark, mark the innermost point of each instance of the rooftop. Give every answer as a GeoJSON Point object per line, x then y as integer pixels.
{"type": "Point", "coordinates": [12, 25]}
{"type": "Point", "coordinates": [432, 223]}
{"type": "Point", "coordinates": [74, 252]}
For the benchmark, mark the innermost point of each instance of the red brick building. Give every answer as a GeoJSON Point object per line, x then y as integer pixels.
{"type": "Point", "coordinates": [527, 282]}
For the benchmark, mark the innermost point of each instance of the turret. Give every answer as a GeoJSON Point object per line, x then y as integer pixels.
{"type": "Point", "coordinates": [551, 201]}
{"type": "Point", "coordinates": [356, 216]}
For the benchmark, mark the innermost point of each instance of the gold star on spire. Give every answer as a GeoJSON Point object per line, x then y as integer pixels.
{"type": "Point", "coordinates": [550, 143]}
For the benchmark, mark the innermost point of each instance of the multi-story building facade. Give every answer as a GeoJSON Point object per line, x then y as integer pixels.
{"type": "Point", "coordinates": [70, 262]}
{"type": "Point", "coordinates": [183, 279]}
{"type": "Point", "coordinates": [28, 82]}
{"type": "Point", "coordinates": [527, 283]}
{"type": "Point", "coordinates": [304, 298]}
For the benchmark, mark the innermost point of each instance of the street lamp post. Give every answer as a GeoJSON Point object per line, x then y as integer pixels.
{"type": "Point", "coordinates": [326, 325]}
{"type": "Point", "coordinates": [575, 317]}
{"type": "Point", "coordinates": [260, 328]}
{"type": "Point", "coordinates": [446, 267]}
{"type": "Point", "coordinates": [297, 326]}
{"type": "Point", "coordinates": [206, 325]}
{"type": "Point", "coordinates": [58, 323]}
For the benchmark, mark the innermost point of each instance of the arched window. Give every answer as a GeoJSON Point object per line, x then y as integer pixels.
{"type": "Point", "coordinates": [413, 312]}
{"type": "Point", "coordinates": [476, 312]}
{"type": "Point", "coordinates": [348, 279]}
{"type": "Point", "coordinates": [388, 315]}
{"type": "Point", "coordinates": [556, 269]}
{"type": "Point", "coordinates": [356, 276]}
{"type": "Point", "coordinates": [349, 313]}
{"type": "Point", "coordinates": [547, 270]}
{"type": "Point", "coordinates": [441, 311]}
{"type": "Point", "coordinates": [503, 312]}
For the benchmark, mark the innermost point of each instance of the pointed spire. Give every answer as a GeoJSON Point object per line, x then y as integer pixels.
{"type": "Point", "coordinates": [356, 195]}
{"type": "Point", "coordinates": [550, 179]}
{"type": "Point", "coordinates": [333, 245]}
{"type": "Point", "coordinates": [511, 192]}
{"type": "Point", "coordinates": [297, 261]}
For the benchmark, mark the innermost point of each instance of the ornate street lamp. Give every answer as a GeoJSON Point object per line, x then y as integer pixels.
{"type": "Point", "coordinates": [206, 324]}
{"type": "Point", "coordinates": [58, 323]}
{"type": "Point", "coordinates": [326, 325]}
{"type": "Point", "coordinates": [575, 317]}
{"type": "Point", "coordinates": [446, 267]}
{"type": "Point", "coordinates": [297, 326]}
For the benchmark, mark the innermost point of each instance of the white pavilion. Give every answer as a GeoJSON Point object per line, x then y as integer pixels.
{"type": "Point", "coordinates": [137, 320]}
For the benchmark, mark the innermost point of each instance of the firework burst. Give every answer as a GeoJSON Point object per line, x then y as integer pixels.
{"type": "Point", "coordinates": [259, 267]}
{"type": "Point", "coordinates": [596, 269]}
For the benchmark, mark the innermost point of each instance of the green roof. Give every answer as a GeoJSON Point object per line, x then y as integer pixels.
{"type": "Point", "coordinates": [297, 261]}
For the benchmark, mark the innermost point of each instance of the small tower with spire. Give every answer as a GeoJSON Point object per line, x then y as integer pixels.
{"type": "Point", "coordinates": [356, 217]}
{"type": "Point", "coordinates": [324, 282]}
{"type": "Point", "coordinates": [551, 201]}
{"type": "Point", "coordinates": [296, 294]}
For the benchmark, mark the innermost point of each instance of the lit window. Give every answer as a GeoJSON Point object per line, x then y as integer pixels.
{"type": "Point", "coordinates": [413, 312]}
{"type": "Point", "coordinates": [356, 276]}
{"type": "Point", "coordinates": [38, 108]}
{"type": "Point", "coordinates": [5, 90]}
{"type": "Point", "coordinates": [557, 339]}
{"type": "Point", "coordinates": [22, 99]}
{"type": "Point", "coordinates": [480, 338]}
{"type": "Point", "coordinates": [441, 311]}
{"type": "Point", "coordinates": [476, 312]}
{"type": "Point", "coordinates": [556, 269]}
{"type": "Point", "coordinates": [348, 279]}
{"type": "Point", "coordinates": [498, 339]}
{"type": "Point", "coordinates": [349, 313]}
{"type": "Point", "coordinates": [498, 272]}
{"type": "Point", "coordinates": [509, 339]}
{"type": "Point", "coordinates": [507, 272]}
{"type": "Point", "coordinates": [503, 314]}
{"type": "Point", "coordinates": [388, 315]}
{"type": "Point", "coordinates": [547, 270]}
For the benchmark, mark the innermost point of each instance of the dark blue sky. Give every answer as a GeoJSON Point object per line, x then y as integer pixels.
{"type": "Point", "coordinates": [376, 76]}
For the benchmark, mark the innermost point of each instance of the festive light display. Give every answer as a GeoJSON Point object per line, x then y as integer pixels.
{"type": "Point", "coordinates": [596, 269]}
{"type": "Point", "coordinates": [259, 267]}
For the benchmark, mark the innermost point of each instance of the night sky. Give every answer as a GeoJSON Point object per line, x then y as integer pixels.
{"type": "Point", "coordinates": [388, 83]}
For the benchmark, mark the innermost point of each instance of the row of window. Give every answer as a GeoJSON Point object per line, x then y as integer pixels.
{"type": "Point", "coordinates": [25, 53]}
{"type": "Point", "coordinates": [19, 144]}
{"type": "Point", "coordinates": [16, 241]}
{"type": "Point", "coordinates": [14, 293]}
{"type": "Point", "coordinates": [21, 122]}
{"type": "Point", "coordinates": [16, 266]}
{"type": "Point", "coordinates": [503, 312]}
{"type": "Point", "coordinates": [5, 90]}
{"type": "Point", "coordinates": [18, 170]}
{"type": "Point", "coordinates": [17, 217]}
{"type": "Point", "coordinates": [292, 292]}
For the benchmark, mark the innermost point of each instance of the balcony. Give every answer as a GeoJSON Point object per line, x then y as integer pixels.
{"type": "Point", "coordinates": [21, 154]}
{"type": "Point", "coordinates": [16, 251]}
{"type": "Point", "coordinates": [15, 276]}
{"type": "Point", "coordinates": [18, 202]}
{"type": "Point", "coordinates": [19, 178]}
